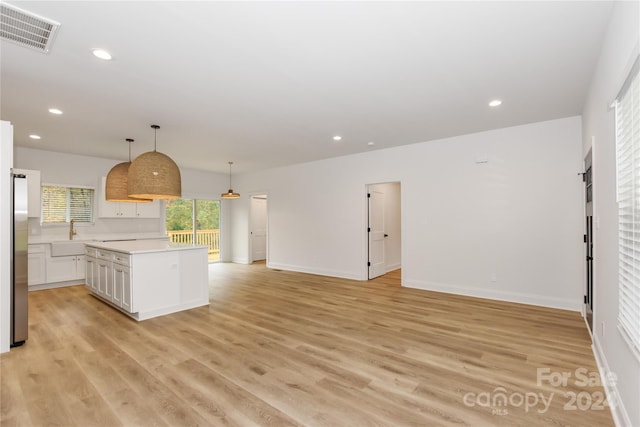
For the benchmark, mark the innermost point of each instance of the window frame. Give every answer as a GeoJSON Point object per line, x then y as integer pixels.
{"type": "Point", "coordinates": [627, 151]}
{"type": "Point", "coordinates": [68, 187]}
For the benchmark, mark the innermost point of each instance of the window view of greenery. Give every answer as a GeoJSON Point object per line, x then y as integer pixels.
{"type": "Point", "coordinates": [61, 204]}
{"type": "Point", "coordinates": [185, 224]}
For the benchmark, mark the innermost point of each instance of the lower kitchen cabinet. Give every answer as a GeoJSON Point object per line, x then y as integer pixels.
{"type": "Point", "coordinates": [65, 268]}
{"type": "Point", "coordinates": [37, 265]}
{"type": "Point", "coordinates": [91, 271]}
{"type": "Point", "coordinates": [122, 286]}
{"type": "Point", "coordinates": [110, 277]}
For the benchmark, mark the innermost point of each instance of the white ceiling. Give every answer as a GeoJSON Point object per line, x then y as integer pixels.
{"type": "Point", "coordinates": [268, 84]}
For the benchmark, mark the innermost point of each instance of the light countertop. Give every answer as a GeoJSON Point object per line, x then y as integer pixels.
{"type": "Point", "coordinates": [38, 239]}
{"type": "Point", "coordinates": [143, 246]}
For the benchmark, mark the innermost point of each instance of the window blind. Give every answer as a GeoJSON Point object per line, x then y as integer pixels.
{"type": "Point", "coordinates": [61, 204]}
{"type": "Point", "coordinates": [627, 112]}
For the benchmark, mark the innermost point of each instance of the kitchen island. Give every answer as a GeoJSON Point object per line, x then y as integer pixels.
{"type": "Point", "coordinates": [148, 278]}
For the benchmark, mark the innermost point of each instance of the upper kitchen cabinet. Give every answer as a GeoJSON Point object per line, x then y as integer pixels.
{"type": "Point", "coordinates": [126, 210]}
{"type": "Point", "coordinates": [33, 191]}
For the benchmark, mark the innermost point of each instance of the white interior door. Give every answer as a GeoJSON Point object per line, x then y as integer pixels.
{"type": "Point", "coordinates": [258, 228]}
{"type": "Point", "coordinates": [376, 234]}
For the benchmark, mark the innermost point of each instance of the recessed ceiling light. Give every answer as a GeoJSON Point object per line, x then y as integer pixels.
{"type": "Point", "coordinates": [55, 111]}
{"type": "Point", "coordinates": [371, 144]}
{"type": "Point", "coordinates": [102, 54]}
{"type": "Point", "coordinates": [337, 138]}
{"type": "Point", "coordinates": [495, 103]}
{"type": "Point", "coordinates": [34, 136]}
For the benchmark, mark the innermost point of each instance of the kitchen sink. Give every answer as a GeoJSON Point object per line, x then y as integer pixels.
{"type": "Point", "coordinates": [68, 247]}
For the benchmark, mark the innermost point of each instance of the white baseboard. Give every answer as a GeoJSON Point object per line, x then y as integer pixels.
{"type": "Point", "coordinates": [312, 270]}
{"type": "Point", "coordinates": [531, 299]}
{"type": "Point", "coordinates": [618, 411]}
{"type": "Point", "coordinates": [56, 285]}
{"type": "Point", "coordinates": [392, 267]}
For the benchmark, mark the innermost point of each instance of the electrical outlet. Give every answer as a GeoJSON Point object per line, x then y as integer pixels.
{"type": "Point", "coordinates": [602, 333]}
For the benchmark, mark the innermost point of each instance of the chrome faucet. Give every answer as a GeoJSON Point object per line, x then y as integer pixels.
{"type": "Point", "coordinates": [72, 232]}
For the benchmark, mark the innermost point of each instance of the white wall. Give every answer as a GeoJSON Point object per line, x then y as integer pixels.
{"type": "Point", "coordinates": [71, 169]}
{"type": "Point", "coordinates": [6, 163]}
{"type": "Point", "coordinates": [620, 48]}
{"type": "Point", "coordinates": [392, 223]}
{"type": "Point", "coordinates": [516, 218]}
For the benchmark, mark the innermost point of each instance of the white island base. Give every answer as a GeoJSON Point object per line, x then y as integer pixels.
{"type": "Point", "coordinates": [146, 279]}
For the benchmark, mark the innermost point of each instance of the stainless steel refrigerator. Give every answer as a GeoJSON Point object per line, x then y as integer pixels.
{"type": "Point", "coordinates": [19, 263]}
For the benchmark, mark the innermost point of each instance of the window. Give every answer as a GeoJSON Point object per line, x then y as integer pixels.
{"type": "Point", "coordinates": [61, 204]}
{"type": "Point", "coordinates": [198, 221]}
{"type": "Point", "coordinates": [627, 108]}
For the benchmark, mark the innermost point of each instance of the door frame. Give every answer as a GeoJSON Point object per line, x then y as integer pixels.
{"type": "Point", "coordinates": [589, 238]}
{"type": "Point", "coordinates": [250, 246]}
{"type": "Point", "coordinates": [367, 258]}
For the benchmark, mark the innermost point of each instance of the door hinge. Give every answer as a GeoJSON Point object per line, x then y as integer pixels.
{"type": "Point", "coordinates": [369, 264]}
{"type": "Point", "coordinates": [368, 195]}
{"type": "Point", "coordinates": [368, 229]}
{"type": "Point", "coordinates": [584, 238]}
{"type": "Point", "coordinates": [585, 299]}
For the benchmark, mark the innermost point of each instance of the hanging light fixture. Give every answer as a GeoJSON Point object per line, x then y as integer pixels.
{"type": "Point", "coordinates": [116, 188]}
{"type": "Point", "coordinates": [154, 175]}
{"type": "Point", "coordinates": [230, 194]}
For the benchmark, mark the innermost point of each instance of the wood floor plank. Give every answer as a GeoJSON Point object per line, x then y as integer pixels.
{"type": "Point", "coordinates": [284, 348]}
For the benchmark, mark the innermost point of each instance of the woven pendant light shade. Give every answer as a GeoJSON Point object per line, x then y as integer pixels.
{"type": "Point", "coordinates": [154, 175]}
{"type": "Point", "coordinates": [116, 188]}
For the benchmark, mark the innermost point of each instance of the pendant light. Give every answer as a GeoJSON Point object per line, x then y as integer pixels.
{"type": "Point", "coordinates": [230, 194]}
{"type": "Point", "coordinates": [116, 188]}
{"type": "Point", "coordinates": [154, 175]}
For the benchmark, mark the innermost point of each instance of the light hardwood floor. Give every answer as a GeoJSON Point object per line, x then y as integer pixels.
{"type": "Point", "coordinates": [280, 348]}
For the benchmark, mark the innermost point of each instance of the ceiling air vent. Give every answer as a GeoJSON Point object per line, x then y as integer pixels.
{"type": "Point", "coordinates": [26, 28]}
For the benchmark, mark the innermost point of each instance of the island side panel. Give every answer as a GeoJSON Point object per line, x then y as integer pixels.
{"type": "Point", "coordinates": [194, 277]}
{"type": "Point", "coordinates": [155, 281]}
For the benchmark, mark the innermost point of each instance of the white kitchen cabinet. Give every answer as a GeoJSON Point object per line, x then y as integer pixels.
{"type": "Point", "coordinates": [37, 264]}
{"type": "Point", "coordinates": [33, 191]}
{"type": "Point", "coordinates": [91, 272]}
{"type": "Point", "coordinates": [126, 210]}
{"type": "Point", "coordinates": [113, 277]}
{"type": "Point", "coordinates": [147, 210]}
{"type": "Point", "coordinates": [146, 279]}
{"type": "Point", "coordinates": [65, 268]}
{"type": "Point", "coordinates": [122, 286]}
{"type": "Point", "coordinates": [117, 210]}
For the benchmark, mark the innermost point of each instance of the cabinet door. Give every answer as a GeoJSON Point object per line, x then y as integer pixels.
{"type": "Point", "coordinates": [90, 269]}
{"type": "Point", "coordinates": [117, 284]}
{"type": "Point", "coordinates": [33, 191]}
{"type": "Point", "coordinates": [121, 286]}
{"type": "Point", "coordinates": [103, 277]}
{"type": "Point", "coordinates": [127, 210]}
{"type": "Point", "coordinates": [81, 267]}
{"type": "Point", "coordinates": [60, 269]}
{"type": "Point", "coordinates": [37, 268]}
{"type": "Point", "coordinates": [148, 210]}
{"type": "Point", "coordinates": [125, 279]}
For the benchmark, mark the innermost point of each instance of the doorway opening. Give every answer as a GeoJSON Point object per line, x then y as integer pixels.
{"type": "Point", "coordinates": [588, 239]}
{"type": "Point", "coordinates": [258, 229]}
{"type": "Point", "coordinates": [384, 229]}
